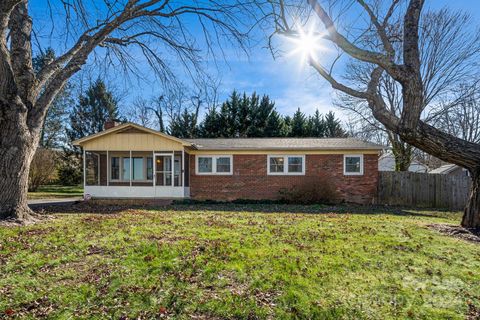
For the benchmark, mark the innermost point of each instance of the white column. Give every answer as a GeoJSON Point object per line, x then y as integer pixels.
{"type": "Point", "coordinates": [183, 171]}
{"type": "Point", "coordinates": [131, 166]}
{"type": "Point", "coordinates": [154, 168]}
{"type": "Point", "coordinates": [173, 168]}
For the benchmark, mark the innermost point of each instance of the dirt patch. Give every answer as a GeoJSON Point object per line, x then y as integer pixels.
{"type": "Point", "coordinates": [457, 232]}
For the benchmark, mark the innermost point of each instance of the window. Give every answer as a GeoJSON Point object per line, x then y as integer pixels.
{"type": "Point", "coordinates": [126, 169]}
{"type": "Point", "coordinates": [205, 165]}
{"type": "Point", "coordinates": [138, 169]}
{"type": "Point", "coordinates": [286, 165]}
{"type": "Point", "coordinates": [353, 165]}
{"type": "Point", "coordinates": [295, 164]}
{"type": "Point", "coordinates": [223, 164]}
{"type": "Point", "coordinates": [214, 165]}
{"type": "Point", "coordinates": [276, 164]}
{"type": "Point", "coordinates": [149, 168]}
{"type": "Point", "coordinates": [115, 173]}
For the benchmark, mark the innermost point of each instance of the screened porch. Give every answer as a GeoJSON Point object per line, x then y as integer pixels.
{"type": "Point", "coordinates": [139, 174]}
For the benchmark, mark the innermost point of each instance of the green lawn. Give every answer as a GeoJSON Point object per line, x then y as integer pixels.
{"type": "Point", "coordinates": [54, 191]}
{"type": "Point", "coordinates": [238, 261]}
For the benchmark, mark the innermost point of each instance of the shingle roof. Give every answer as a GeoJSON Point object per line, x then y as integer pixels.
{"type": "Point", "coordinates": [283, 144]}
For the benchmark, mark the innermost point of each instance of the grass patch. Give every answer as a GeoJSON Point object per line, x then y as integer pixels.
{"type": "Point", "coordinates": [239, 261]}
{"type": "Point", "coordinates": [55, 191]}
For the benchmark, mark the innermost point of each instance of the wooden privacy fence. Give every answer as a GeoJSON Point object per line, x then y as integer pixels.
{"type": "Point", "coordinates": [423, 189]}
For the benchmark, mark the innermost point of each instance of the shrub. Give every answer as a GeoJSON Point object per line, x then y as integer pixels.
{"type": "Point", "coordinates": [42, 169]}
{"type": "Point", "coordinates": [314, 191]}
{"type": "Point", "coordinates": [69, 175]}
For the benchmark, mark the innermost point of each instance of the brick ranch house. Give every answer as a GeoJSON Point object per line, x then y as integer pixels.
{"type": "Point", "coordinates": [131, 161]}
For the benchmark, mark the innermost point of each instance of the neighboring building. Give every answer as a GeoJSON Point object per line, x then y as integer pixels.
{"type": "Point", "coordinates": [387, 163]}
{"type": "Point", "coordinates": [451, 170]}
{"type": "Point", "coordinates": [131, 161]}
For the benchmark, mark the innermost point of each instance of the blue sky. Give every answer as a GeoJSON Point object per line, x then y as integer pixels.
{"type": "Point", "coordinates": [285, 80]}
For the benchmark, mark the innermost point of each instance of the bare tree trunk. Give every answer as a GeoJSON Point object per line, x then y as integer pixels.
{"type": "Point", "coordinates": [402, 152]}
{"type": "Point", "coordinates": [471, 215]}
{"type": "Point", "coordinates": [17, 148]}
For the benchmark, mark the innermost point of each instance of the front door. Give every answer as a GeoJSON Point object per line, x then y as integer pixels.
{"type": "Point", "coordinates": [164, 170]}
{"type": "Point", "coordinates": [168, 176]}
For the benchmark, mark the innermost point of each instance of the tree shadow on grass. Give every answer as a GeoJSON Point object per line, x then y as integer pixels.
{"type": "Point", "coordinates": [118, 206]}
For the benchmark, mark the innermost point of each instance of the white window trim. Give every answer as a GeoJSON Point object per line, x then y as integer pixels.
{"type": "Point", "coordinates": [214, 165]}
{"type": "Point", "coordinates": [345, 173]}
{"type": "Point", "coordinates": [285, 165]}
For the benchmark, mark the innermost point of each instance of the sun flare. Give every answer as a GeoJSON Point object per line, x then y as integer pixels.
{"type": "Point", "coordinates": [307, 44]}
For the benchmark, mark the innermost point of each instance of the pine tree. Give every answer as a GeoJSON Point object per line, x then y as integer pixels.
{"type": "Point", "coordinates": [243, 117]}
{"type": "Point", "coordinates": [209, 128]}
{"type": "Point", "coordinates": [333, 127]}
{"type": "Point", "coordinates": [260, 113]}
{"type": "Point", "coordinates": [239, 116]}
{"type": "Point", "coordinates": [275, 126]}
{"type": "Point", "coordinates": [316, 125]}
{"type": "Point", "coordinates": [94, 108]}
{"type": "Point", "coordinates": [184, 125]}
{"type": "Point", "coordinates": [298, 124]}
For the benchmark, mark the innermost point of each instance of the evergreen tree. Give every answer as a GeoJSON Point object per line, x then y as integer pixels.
{"type": "Point", "coordinates": [94, 108]}
{"type": "Point", "coordinates": [210, 128]}
{"type": "Point", "coordinates": [261, 112]}
{"type": "Point", "coordinates": [251, 116]}
{"type": "Point", "coordinates": [316, 125]}
{"type": "Point", "coordinates": [275, 126]}
{"type": "Point", "coordinates": [298, 124]}
{"type": "Point", "coordinates": [243, 119]}
{"type": "Point", "coordinates": [239, 116]}
{"type": "Point", "coordinates": [184, 125]}
{"type": "Point", "coordinates": [333, 127]}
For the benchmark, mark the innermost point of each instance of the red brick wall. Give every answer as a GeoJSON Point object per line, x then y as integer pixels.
{"type": "Point", "coordinates": [250, 179]}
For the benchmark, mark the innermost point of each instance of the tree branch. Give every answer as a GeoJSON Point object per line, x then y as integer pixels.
{"type": "Point", "coordinates": [411, 52]}
{"type": "Point", "coordinates": [21, 48]}
{"type": "Point", "coordinates": [386, 62]}
{"type": "Point", "coordinates": [387, 45]}
{"type": "Point", "coordinates": [335, 84]}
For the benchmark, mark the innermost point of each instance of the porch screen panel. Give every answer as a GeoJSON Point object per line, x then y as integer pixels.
{"type": "Point", "coordinates": [177, 169]}
{"type": "Point", "coordinates": [142, 169]}
{"type": "Point", "coordinates": [103, 168]}
{"type": "Point", "coordinates": [92, 166]}
{"type": "Point", "coordinates": [126, 169]}
{"type": "Point", "coordinates": [138, 169]}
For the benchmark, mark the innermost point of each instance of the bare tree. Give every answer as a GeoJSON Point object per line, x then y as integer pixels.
{"type": "Point", "coordinates": [158, 28]}
{"type": "Point", "coordinates": [407, 73]}
{"type": "Point", "coordinates": [446, 57]}
{"type": "Point", "coordinates": [460, 115]}
{"type": "Point", "coordinates": [139, 112]}
{"type": "Point", "coordinates": [161, 111]}
{"type": "Point", "coordinates": [43, 168]}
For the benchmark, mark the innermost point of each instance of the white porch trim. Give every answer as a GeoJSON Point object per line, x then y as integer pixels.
{"type": "Point", "coordinates": [135, 192]}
